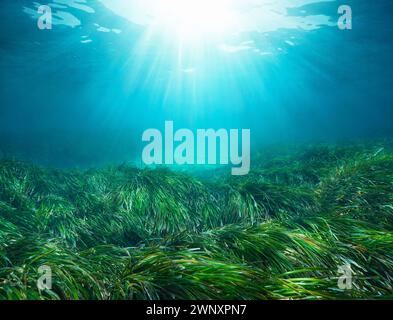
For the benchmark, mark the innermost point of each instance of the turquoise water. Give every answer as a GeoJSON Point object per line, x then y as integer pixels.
{"type": "Point", "coordinates": [82, 93]}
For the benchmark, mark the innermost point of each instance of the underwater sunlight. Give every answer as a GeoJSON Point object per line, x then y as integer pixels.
{"type": "Point", "coordinates": [209, 150]}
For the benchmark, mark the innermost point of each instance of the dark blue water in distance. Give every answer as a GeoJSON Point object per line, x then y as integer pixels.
{"type": "Point", "coordinates": [82, 93]}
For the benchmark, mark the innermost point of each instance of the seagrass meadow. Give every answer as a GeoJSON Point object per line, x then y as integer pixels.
{"type": "Point", "coordinates": [111, 109]}
{"type": "Point", "coordinates": [281, 232]}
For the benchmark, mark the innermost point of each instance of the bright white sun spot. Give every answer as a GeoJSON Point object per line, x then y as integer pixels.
{"type": "Point", "coordinates": [191, 20]}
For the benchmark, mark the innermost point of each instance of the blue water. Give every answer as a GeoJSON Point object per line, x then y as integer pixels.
{"type": "Point", "coordinates": [82, 93]}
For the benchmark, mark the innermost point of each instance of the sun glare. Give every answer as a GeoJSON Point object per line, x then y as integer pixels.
{"type": "Point", "coordinates": [194, 19]}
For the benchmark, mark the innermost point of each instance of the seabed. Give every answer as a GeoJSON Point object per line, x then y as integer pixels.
{"type": "Point", "coordinates": [282, 232]}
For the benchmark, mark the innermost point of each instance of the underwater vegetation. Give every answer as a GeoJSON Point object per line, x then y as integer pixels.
{"type": "Point", "coordinates": [281, 232]}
